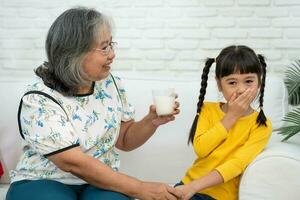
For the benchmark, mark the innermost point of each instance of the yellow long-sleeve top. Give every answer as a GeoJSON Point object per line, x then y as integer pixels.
{"type": "Point", "coordinates": [228, 152]}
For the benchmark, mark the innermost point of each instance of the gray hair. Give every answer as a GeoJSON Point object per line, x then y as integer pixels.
{"type": "Point", "coordinates": [72, 35]}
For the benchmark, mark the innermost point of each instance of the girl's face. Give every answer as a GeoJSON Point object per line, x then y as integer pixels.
{"type": "Point", "coordinates": [97, 63]}
{"type": "Point", "coordinates": [237, 83]}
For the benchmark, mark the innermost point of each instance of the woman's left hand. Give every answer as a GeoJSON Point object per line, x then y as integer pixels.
{"type": "Point", "coordinates": [159, 120]}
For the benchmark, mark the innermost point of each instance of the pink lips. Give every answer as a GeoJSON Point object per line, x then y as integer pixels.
{"type": "Point", "coordinates": [107, 67]}
{"type": "Point", "coordinates": [108, 64]}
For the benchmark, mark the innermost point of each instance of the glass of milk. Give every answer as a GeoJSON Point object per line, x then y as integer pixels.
{"type": "Point", "coordinates": [164, 100]}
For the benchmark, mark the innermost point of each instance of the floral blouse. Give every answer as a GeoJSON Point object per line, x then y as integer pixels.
{"type": "Point", "coordinates": [90, 121]}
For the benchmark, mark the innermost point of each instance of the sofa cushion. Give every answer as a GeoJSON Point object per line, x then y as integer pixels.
{"type": "Point", "coordinates": [3, 190]}
{"type": "Point", "coordinates": [274, 174]}
{"type": "Point", "coordinates": [10, 142]}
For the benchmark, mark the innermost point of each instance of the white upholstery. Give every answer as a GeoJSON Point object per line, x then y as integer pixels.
{"type": "Point", "coordinates": [166, 156]}
{"type": "Point", "coordinates": [274, 174]}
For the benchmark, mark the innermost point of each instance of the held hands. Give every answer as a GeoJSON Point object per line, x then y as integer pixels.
{"type": "Point", "coordinates": [187, 191]}
{"type": "Point", "coordinates": [159, 120]}
{"type": "Point", "coordinates": [158, 191]}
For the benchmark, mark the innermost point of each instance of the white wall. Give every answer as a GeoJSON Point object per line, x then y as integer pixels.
{"type": "Point", "coordinates": [158, 35]}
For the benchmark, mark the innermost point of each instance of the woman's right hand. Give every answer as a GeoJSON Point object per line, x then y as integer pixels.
{"type": "Point", "coordinates": [158, 191]}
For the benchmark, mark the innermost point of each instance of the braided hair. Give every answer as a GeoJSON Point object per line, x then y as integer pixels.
{"type": "Point", "coordinates": [261, 118]}
{"type": "Point", "coordinates": [233, 59]}
{"type": "Point", "coordinates": [204, 77]}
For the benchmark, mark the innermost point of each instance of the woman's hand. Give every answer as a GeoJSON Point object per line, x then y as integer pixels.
{"type": "Point", "coordinates": [159, 120]}
{"type": "Point", "coordinates": [158, 191]}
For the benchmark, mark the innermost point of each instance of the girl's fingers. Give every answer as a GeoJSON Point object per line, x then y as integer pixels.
{"type": "Point", "coordinates": [243, 101]}
{"type": "Point", "coordinates": [239, 104]}
{"type": "Point", "coordinates": [244, 97]}
{"type": "Point", "coordinates": [254, 95]}
{"type": "Point", "coordinates": [233, 97]}
{"type": "Point", "coordinates": [248, 95]}
{"type": "Point", "coordinates": [251, 96]}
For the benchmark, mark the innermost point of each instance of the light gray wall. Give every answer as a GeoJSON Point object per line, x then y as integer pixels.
{"type": "Point", "coordinates": [158, 35]}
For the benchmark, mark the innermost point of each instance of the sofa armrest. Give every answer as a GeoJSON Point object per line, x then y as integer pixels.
{"type": "Point", "coordinates": [274, 174]}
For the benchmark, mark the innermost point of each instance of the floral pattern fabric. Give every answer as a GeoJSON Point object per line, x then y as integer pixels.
{"type": "Point", "coordinates": [91, 121]}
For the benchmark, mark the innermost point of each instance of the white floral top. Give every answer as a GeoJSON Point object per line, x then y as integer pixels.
{"type": "Point", "coordinates": [90, 121]}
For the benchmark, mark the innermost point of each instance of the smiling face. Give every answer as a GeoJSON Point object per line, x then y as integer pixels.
{"type": "Point", "coordinates": [237, 83]}
{"type": "Point", "coordinates": [96, 64]}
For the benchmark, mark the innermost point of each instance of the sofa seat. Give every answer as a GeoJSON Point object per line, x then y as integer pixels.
{"type": "Point", "coordinates": [3, 190]}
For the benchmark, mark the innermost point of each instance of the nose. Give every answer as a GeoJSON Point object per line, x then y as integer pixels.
{"type": "Point", "coordinates": [111, 54]}
{"type": "Point", "coordinates": [241, 89]}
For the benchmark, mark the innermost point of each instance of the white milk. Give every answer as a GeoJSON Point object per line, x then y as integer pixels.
{"type": "Point", "coordinates": [164, 104]}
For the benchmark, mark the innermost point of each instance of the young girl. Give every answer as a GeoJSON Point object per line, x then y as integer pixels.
{"type": "Point", "coordinates": [227, 136]}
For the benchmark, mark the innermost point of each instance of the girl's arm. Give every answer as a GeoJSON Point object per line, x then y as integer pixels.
{"type": "Point", "coordinates": [134, 134]}
{"type": "Point", "coordinates": [237, 163]}
{"type": "Point", "coordinates": [234, 166]}
{"type": "Point", "coordinates": [208, 138]}
{"type": "Point", "coordinates": [209, 180]}
{"type": "Point", "coordinates": [236, 107]}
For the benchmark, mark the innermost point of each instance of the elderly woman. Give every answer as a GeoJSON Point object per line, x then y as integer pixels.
{"type": "Point", "coordinates": [73, 117]}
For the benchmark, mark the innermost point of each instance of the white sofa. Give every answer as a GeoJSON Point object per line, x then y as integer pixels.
{"type": "Point", "coordinates": [275, 174]}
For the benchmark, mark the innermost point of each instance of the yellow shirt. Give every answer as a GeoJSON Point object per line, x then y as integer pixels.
{"type": "Point", "coordinates": [227, 152]}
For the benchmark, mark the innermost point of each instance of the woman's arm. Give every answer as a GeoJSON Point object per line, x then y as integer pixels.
{"type": "Point", "coordinates": [98, 174]}
{"type": "Point", "coordinates": [134, 134]}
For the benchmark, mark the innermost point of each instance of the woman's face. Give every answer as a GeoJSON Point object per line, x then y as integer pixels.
{"type": "Point", "coordinates": [97, 63]}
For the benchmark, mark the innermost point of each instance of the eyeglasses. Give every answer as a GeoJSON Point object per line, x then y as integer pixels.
{"type": "Point", "coordinates": [105, 50]}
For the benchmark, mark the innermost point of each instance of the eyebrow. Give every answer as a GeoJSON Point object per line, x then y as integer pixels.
{"type": "Point", "coordinates": [250, 76]}
{"type": "Point", "coordinates": [106, 41]}
{"type": "Point", "coordinates": [230, 79]}
{"type": "Point", "coordinates": [247, 77]}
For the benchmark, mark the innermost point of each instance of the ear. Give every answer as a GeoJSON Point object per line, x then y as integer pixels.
{"type": "Point", "coordinates": [219, 84]}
